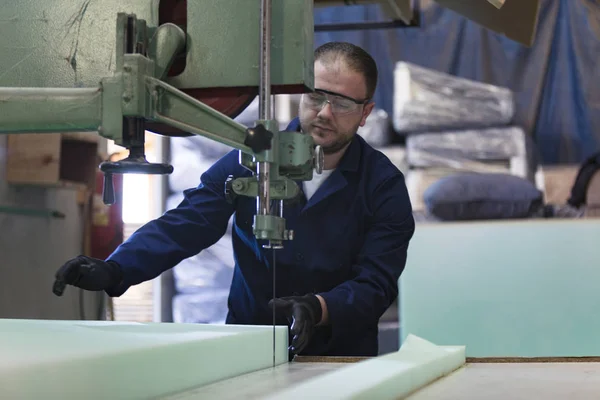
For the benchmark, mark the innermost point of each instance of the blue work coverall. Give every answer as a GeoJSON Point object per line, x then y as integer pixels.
{"type": "Point", "coordinates": [350, 246]}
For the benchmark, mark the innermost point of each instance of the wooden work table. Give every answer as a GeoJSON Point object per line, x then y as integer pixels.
{"type": "Point", "coordinates": [260, 384]}
{"type": "Point", "coordinates": [516, 381]}
{"type": "Point", "coordinates": [191, 361]}
{"type": "Point", "coordinates": [257, 385]}
{"type": "Point", "coordinates": [479, 379]}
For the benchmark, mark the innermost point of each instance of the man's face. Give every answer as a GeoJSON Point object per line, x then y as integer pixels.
{"type": "Point", "coordinates": [333, 126]}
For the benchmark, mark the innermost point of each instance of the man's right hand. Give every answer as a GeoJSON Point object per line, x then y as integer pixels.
{"type": "Point", "coordinates": [87, 273]}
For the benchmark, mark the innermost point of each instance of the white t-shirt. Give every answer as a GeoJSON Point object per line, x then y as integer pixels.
{"type": "Point", "coordinates": [310, 187]}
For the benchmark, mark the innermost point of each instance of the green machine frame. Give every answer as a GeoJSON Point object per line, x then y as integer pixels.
{"type": "Point", "coordinates": [224, 42]}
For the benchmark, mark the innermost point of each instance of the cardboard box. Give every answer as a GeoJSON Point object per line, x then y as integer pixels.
{"type": "Point", "coordinates": [593, 197]}
{"type": "Point", "coordinates": [557, 182]}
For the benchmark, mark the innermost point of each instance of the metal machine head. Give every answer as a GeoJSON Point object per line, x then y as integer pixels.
{"type": "Point", "coordinates": [125, 89]}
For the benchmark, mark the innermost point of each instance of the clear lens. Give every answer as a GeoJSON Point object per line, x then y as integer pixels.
{"type": "Point", "coordinates": [339, 105]}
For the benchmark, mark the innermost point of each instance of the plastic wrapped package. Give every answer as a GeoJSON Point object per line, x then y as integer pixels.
{"type": "Point", "coordinates": [207, 306]}
{"type": "Point", "coordinates": [202, 282]}
{"type": "Point", "coordinates": [502, 150]}
{"type": "Point", "coordinates": [425, 99]}
{"type": "Point", "coordinates": [376, 130]}
{"type": "Point", "coordinates": [211, 268]}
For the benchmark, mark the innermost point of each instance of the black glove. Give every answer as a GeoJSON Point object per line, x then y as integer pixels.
{"type": "Point", "coordinates": [303, 313]}
{"type": "Point", "coordinates": [87, 273]}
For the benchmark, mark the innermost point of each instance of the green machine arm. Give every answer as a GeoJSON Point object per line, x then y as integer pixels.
{"type": "Point", "coordinates": [137, 92]}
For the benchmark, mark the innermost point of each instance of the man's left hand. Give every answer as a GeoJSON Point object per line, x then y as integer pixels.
{"type": "Point", "coordinates": [304, 313]}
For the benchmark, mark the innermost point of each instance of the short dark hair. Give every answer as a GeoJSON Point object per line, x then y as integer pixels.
{"type": "Point", "coordinates": [356, 59]}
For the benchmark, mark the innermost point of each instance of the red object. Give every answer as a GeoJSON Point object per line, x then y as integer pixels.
{"type": "Point", "coordinates": [107, 229]}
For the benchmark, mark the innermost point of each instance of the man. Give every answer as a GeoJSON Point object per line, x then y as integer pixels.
{"type": "Point", "coordinates": [352, 228]}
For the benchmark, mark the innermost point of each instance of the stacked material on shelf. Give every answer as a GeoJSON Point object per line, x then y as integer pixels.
{"type": "Point", "coordinates": [502, 149]}
{"type": "Point", "coordinates": [429, 100]}
{"type": "Point", "coordinates": [431, 156]}
{"type": "Point", "coordinates": [455, 125]}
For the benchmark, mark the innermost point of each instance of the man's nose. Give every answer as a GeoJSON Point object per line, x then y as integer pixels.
{"type": "Point", "coordinates": [326, 112]}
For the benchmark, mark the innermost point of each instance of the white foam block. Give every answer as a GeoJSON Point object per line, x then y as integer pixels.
{"type": "Point", "coordinates": [392, 376]}
{"type": "Point", "coordinates": [105, 360]}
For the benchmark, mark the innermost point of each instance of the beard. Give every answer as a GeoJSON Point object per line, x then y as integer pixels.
{"type": "Point", "coordinates": [336, 140]}
{"type": "Point", "coordinates": [340, 143]}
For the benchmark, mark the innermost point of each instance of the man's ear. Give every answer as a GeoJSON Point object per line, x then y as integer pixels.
{"type": "Point", "coordinates": [366, 111]}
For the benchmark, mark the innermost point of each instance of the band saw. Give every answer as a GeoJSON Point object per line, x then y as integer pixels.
{"type": "Point", "coordinates": [178, 68]}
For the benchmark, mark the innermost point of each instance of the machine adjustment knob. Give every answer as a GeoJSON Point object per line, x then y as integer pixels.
{"type": "Point", "coordinates": [128, 166]}
{"type": "Point", "coordinates": [108, 190]}
{"type": "Point", "coordinates": [319, 159]}
{"type": "Point", "coordinates": [258, 138]}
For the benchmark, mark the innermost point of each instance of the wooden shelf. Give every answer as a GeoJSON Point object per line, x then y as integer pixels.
{"type": "Point", "coordinates": [68, 160]}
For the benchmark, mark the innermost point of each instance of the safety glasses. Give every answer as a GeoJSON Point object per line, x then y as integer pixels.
{"type": "Point", "coordinates": [340, 104]}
